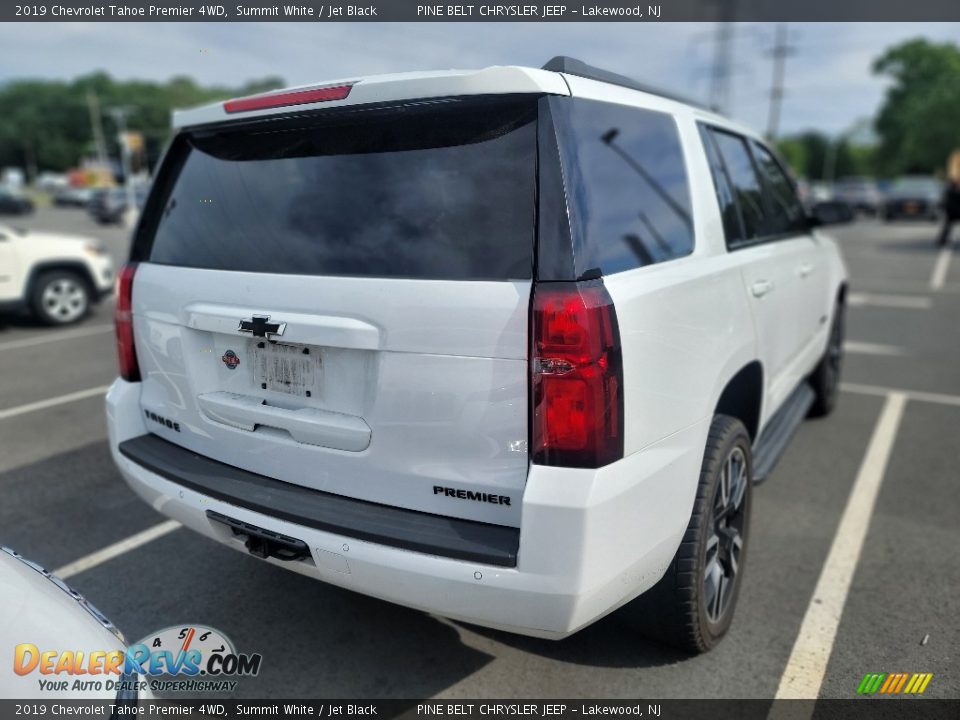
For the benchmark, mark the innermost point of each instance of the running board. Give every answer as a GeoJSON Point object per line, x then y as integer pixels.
{"type": "Point", "coordinates": [779, 431]}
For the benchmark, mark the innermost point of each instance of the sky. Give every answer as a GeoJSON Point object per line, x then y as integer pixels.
{"type": "Point", "coordinates": [829, 82]}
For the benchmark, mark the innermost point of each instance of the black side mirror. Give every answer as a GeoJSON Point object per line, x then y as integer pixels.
{"type": "Point", "coordinates": [830, 212]}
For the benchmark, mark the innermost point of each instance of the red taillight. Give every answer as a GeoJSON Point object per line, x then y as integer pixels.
{"type": "Point", "coordinates": [123, 320]}
{"type": "Point", "coordinates": [283, 99]}
{"type": "Point", "coordinates": [576, 376]}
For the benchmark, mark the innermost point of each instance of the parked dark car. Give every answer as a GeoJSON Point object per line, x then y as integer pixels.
{"type": "Point", "coordinates": [108, 207]}
{"type": "Point", "coordinates": [14, 203]}
{"type": "Point", "coordinates": [72, 196]}
{"type": "Point", "coordinates": [859, 193]}
{"type": "Point", "coordinates": [831, 212]}
{"type": "Point", "coordinates": [913, 198]}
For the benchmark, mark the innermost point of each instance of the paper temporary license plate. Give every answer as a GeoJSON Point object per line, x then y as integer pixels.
{"type": "Point", "coordinates": [293, 369]}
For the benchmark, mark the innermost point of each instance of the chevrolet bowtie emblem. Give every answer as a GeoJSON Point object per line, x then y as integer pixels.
{"type": "Point", "coordinates": [259, 327]}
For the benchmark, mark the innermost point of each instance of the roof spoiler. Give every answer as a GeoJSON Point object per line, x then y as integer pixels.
{"type": "Point", "coordinates": [572, 66]}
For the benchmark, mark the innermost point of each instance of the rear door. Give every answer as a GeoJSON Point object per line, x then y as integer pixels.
{"type": "Point", "coordinates": [340, 301]}
{"type": "Point", "coordinates": [815, 299]}
{"type": "Point", "coordinates": [771, 254]}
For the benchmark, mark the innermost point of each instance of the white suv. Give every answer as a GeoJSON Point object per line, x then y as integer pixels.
{"type": "Point", "coordinates": [508, 346]}
{"type": "Point", "coordinates": [55, 276]}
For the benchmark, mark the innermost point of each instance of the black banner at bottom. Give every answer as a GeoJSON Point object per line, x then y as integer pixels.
{"type": "Point", "coordinates": [913, 708]}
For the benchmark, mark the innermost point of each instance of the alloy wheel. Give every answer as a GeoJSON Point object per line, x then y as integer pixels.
{"type": "Point", "coordinates": [64, 300]}
{"type": "Point", "coordinates": [724, 547]}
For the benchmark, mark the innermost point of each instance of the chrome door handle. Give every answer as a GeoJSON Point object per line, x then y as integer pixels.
{"type": "Point", "coordinates": [761, 288]}
{"type": "Point", "coordinates": [804, 270]}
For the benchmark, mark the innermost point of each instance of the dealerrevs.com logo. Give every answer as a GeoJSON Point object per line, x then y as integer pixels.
{"type": "Point", "coordinates": [182, 658]}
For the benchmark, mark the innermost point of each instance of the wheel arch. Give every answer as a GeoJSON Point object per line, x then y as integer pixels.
{"type": "Point", "coordinates": [742, 397]}
{"type": "Point", "coordinates": [75, 266]}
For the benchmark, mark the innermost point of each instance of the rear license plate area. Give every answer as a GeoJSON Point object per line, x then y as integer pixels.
{"type": "Point", "coordinates": [286, 368]}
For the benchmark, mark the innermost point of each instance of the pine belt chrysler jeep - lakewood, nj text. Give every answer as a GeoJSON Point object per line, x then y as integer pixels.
{"type": "Point", "coordinates": [509, 345]}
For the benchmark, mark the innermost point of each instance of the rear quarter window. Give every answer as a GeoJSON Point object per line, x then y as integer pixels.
{"type": "Point", "coordinates": [436, 191]}
{"type": "Point", "coordinates": [626, 184]}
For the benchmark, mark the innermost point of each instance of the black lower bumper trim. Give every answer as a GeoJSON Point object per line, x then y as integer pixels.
{"type": "Point", "coordinates": [397, 527]}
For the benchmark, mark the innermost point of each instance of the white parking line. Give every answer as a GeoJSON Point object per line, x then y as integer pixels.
{"type": "Point", "coordinates": [55, 337]}
{"type": "Point", "coordinates": [931, 397]}
{"type": "Point", "coordinates": [53, 402]}
{"type": "Point", "coordinates": [940, 268]}
{"type": "Point", "coordinates": [118, 548]}
{"type": "Point", "coordinates": [865, 348]}
{"type": "Point", "coordinates": [803, 675]}
{"type": "Point", "coordinates": [913, 302]}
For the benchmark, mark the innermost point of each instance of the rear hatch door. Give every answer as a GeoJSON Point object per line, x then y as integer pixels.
{"type": "Point", "coordinates": [340, 301]}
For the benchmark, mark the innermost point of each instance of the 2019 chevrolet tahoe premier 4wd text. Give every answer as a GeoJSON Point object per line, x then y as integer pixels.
{"type": "Point", "coordinates": [508, 346]}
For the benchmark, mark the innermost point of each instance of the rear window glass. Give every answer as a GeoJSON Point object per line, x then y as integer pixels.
{"type": "Point", "coordinates": [627, 184]}
{"type": "Point", "coordinates": [787, 213]}
{"type": "Point", "coordinates": [746, 186]}
{"type": "Point", "coordinates": [441, 190]}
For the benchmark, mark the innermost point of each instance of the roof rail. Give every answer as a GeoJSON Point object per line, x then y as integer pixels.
{"type": "Point", "coordinates": [572, 66]}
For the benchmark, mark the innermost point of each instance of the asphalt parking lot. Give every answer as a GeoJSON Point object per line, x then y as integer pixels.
{"type": "Point", "coordinates": [897, 426]}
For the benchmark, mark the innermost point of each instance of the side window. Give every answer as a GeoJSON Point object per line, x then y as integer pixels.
{"type": "Point", "coordinates": [729, 211]}
{"type": "Point", "coordinates": [746, 185]}
{"type": "Point", "coordinates": [786, 212]}
{"type": "Point", "coordinates": [627, 186]}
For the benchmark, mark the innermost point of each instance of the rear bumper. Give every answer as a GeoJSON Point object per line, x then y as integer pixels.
{"type": "Point", "coordinates": [590, 540]}
{"type": "Point", "coordinates": [356, 519]}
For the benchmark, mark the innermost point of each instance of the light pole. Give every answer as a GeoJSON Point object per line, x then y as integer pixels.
{"type": "Point", "coordinates": [119, 115]}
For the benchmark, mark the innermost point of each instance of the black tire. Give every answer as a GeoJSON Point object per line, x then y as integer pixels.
{"type": "Point", "coordinates": [60, 297]}
{"type": "Point", "coordinates": [678, 610]}
{"type": "Point", "coordinates": [825, 379]}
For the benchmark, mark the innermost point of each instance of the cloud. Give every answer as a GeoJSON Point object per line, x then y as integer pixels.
{"type": "Point", "coordinates": [829, 82]}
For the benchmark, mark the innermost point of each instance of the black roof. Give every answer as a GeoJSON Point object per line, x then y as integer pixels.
{"type": "Point", "coordinates": [572, 66]}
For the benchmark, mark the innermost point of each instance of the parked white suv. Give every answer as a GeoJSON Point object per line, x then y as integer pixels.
{"type": "Point", "coordinates": [508, 346]}
{"type": "Point", "coordinates": [55, 276]}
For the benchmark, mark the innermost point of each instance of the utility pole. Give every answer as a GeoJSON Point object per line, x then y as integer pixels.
{"type": "Point", "coordinates": [96, 124]}
{"type": "Point", "coordinates": [722, 56]}
{"type": "Point", "coordinates": [780, 51]}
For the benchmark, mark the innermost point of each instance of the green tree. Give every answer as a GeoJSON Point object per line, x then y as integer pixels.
{"type": "Point", "coordinates": [805, 153]}
{"type": "Point", "coordinates": [919, 121]}
{"type": "Point", "coordinates": [811, 154]}
{"type": "Point", "coordinates": [45, 124]}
